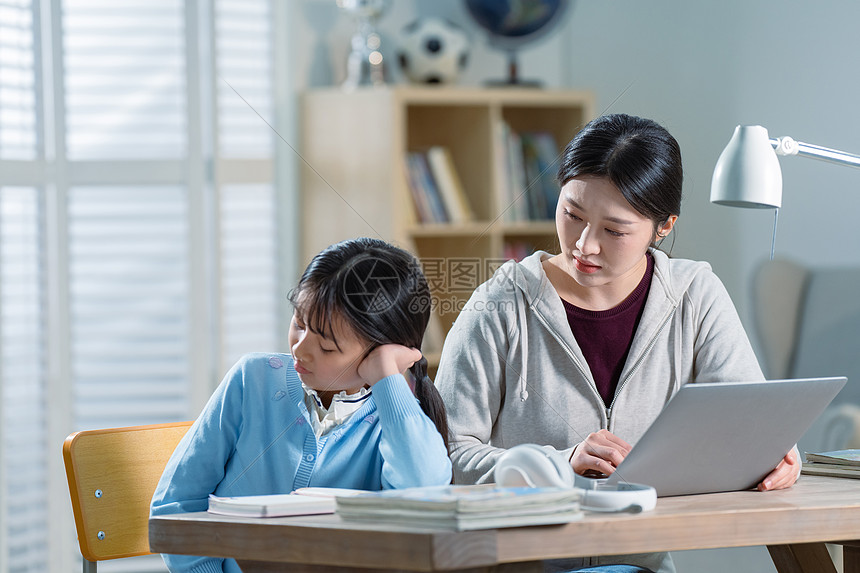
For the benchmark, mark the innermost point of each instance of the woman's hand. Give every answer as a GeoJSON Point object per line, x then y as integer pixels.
{"type": "Point", "coordinates": [785, 473]}
{"type": "Point", "coordinates": [387, 360]}
{"type": "Point", "coordinates": [600, 452]}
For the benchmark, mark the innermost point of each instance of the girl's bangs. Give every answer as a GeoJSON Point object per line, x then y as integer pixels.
{"type": "Point", "coordinates": [316, 304]}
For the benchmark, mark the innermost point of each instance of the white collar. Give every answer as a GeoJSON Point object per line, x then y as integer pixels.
{"type": "Point", "coordinates": [342, 406]}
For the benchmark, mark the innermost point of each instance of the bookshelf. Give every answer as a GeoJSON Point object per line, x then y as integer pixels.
{"type": "Point", "coordinates": [355, 180]}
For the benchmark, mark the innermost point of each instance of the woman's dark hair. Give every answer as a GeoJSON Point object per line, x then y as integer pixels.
{"type": "Point", "coordinates": [381, 292]}
{"type": "Point", "coordinates": [637, 155]}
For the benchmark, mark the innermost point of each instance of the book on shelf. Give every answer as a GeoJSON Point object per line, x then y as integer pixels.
{"type": "Point", "coordinates": [501, 170]}
{"type": "Point", "coordinates": [541, 157]}
{"type": "Point", "coordinates": [421, 203]}
{"type": "Point", "coordinates": [535, 197]}
{"type": "Point", "coordinates": [515, 205]}
{"type": "Point", "coordinates": [841, 457]}
{"type": "Point", "coordinates": [429, 205]}
{"type": "Point", "coordinates": [467, 507]}
{"type": "Point", "coordinates": [303, 501]}
{"type": "Point", "coordinates": [527, 188]}
{"type": "Point", "coordinates": [449, 185]}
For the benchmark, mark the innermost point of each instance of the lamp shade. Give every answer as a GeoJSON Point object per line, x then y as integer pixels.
{"type": "Point", "coordinates": [747, 173]}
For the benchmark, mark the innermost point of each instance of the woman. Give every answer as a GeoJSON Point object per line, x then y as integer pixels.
{"type": "Point", "coordinates": [580, 351]}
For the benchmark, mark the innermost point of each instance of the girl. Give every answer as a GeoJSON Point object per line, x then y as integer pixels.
{"type": "Point", "coordinates": [350, 407]}
{"type": "Point", "coordinates": [591, 343]}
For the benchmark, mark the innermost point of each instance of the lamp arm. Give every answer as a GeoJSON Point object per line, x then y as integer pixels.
{"type": "Point", "coordinates": [788, 146]}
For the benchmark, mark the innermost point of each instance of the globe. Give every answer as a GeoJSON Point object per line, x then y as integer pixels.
{"type": "Point", "coordinates": [513, 23]}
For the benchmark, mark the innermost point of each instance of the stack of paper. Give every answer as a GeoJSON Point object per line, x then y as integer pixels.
{"type": "Point", "coordinates": [303, 501]}
{"type": "Point", "coordinates": [464, 507]}
{"type": "Point", "coordinates": [839, 463]}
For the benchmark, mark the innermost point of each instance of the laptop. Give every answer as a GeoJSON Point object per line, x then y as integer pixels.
{"type": "Point", "coordinates": [726, 436]}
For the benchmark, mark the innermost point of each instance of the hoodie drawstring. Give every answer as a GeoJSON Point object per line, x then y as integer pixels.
{"type": "Point", "coordinates": [677, 371]}
{"type": "Point", "coordinates": [524, 339]}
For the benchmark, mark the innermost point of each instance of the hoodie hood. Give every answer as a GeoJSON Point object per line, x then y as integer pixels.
{"type": "Point", "coordinates": [530, 279]}
{"type": "Point", "coordinates": [533, 292]}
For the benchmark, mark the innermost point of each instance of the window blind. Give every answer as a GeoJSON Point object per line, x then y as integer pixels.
{"type": "Point", "coordinates": [23, 469]}
{"type": "Point", "coordinates": [129, 295]}
{"type": "Point", "coordinates": [250, 290]}
{"type": "Point", "coordinates": [251, 301]}
{"type": "Point", "coordinates": [244, 80]}
{"type": "Point", "coordinates": [17, 81]}
{"type": "Point", "coordinates": [22, 372]}
{"type": "Point", "coordinates": [124, 79]}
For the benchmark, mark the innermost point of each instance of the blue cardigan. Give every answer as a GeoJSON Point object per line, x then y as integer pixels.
{"type": "Point", "coordinates": [255, 437]}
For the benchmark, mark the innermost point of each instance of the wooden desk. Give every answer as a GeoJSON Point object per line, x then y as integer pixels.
{"type": "Point", "coordinates": [793, 523]}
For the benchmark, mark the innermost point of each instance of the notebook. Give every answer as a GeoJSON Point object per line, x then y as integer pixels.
{"type": "Point", "coordinates": [724, 436]}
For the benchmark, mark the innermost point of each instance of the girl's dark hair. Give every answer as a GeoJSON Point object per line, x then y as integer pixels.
{"type": "Point", "coordinates": [637, 155]}
{"type": "Point", "coordinates": [382, 294]}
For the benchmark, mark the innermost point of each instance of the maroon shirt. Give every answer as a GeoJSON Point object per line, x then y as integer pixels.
{"type": "Point", "coordinates": [605, 336]}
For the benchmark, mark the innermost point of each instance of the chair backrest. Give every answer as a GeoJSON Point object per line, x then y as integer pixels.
{"type": "Point", "coordinates": [112, 475]}
{"type": "Point", "coordinates": [779, 291]}
{"type": "Point", "coordinates": [808, 325]}
{"type": "Point", "coordinates": [829, 336]}
{"type": "Point", "coordinates": [808, 322]}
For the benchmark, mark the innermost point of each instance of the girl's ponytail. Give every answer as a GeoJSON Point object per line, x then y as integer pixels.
{"type": "Point", "coordinates": [429, 398]}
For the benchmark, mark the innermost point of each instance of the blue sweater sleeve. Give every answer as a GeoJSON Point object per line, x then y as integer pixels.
{"type": "Point", "coordinates": [197, 465]}
{"type": "Point", "coordinates": [412, 450]}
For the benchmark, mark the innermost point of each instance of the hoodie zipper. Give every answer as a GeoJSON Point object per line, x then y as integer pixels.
{"type": "Point", "coordinates": [570, 354]}
{"type": "Point", "coordinates": [606, 411]}
{"type": "Point", "coordinates": [639, 361]}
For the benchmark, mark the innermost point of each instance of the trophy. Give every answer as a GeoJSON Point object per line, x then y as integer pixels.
{"type": "Point", "coordinates": [364, 65]}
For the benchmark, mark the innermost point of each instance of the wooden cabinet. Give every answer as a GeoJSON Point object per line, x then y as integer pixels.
{"type": "Point", "coordinates": [354, 180]}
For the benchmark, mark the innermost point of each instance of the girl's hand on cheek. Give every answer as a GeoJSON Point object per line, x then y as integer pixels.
{"type": "Point", "coordinates": [387, 360]}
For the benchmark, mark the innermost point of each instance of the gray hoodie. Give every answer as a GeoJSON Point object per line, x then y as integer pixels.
{"type": "Point", "coordinates": [511, 371]}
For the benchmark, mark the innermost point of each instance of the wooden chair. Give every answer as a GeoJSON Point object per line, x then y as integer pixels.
{"type": "Point", "coordinates": [112, 475]}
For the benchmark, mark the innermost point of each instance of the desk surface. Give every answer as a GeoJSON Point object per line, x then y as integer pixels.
{"type": "Point", "coordinates": [815, 510]}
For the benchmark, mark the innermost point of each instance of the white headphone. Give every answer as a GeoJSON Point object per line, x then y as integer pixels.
{"type": "Point", "coordinates": [530, 465]}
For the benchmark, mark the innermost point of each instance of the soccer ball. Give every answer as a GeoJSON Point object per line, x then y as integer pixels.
{"type": "Point", "coordinates": [433, 51]}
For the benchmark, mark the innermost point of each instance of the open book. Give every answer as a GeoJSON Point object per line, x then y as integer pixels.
{"type": "Point", "coordinates": [303, 501]}
{"type": "Point", "coordinates": [464, 507]}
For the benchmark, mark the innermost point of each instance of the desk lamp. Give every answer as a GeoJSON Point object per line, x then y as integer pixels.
{"type": "Point", "coordinates": [747, 173]}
